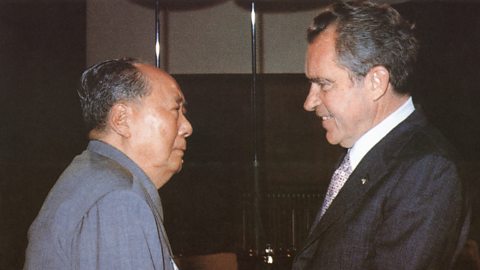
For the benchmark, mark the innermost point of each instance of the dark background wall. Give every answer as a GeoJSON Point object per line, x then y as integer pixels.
{"type": "Point", "coordinates": [42, 54]}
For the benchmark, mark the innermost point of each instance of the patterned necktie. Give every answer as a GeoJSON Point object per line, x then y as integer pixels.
{"type": "Point", "coordinates": [339, 178]}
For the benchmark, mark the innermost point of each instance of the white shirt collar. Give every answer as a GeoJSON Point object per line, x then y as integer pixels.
{"type": "Point", "coordinates": [374, 135]}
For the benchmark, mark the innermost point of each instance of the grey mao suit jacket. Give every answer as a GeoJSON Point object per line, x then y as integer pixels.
{"type": "Point", "coordinates": [403, 207]}
{"type": "Point", "coordinates": [102, 213]}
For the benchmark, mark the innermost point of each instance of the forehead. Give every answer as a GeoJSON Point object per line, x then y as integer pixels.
{"type": "Point", "coordinates": [321, 54]}
{"type": "Point", "coordinates": [161, 84]}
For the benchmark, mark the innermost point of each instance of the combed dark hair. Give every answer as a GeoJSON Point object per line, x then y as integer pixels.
{"type": "Point", "coordinates": [107, 83]}
{"type": "Point", "coordinates": [370, 35]}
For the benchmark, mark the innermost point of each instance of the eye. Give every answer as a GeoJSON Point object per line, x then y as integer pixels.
{"type": "Point", "coordinates": [325, 85]}
{"type": "Point", "coordinates": [179, 108]}
{"type": "Point", "coordinates": [176, 109]}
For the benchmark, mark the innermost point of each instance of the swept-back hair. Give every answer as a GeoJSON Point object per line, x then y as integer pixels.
{"type": "Point", "coordinates": [107, 83]}
{"type": "Point", "coordinates": [370, 35]}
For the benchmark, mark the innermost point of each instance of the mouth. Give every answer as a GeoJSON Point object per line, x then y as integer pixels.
{"type": "Point", "coordinates": [181, 150]}
{"type": "Point", "coordinates": [325, 117]}
{"type": "Point", "coordinates": [323, 114]}
{"type": "Point", "coordinates": [180, 146]}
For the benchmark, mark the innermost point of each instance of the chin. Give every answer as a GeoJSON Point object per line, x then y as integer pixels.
{"type": "Point", "coordinates": [178, 167]}
{"type": "Point", "coordinates": [331, 140]}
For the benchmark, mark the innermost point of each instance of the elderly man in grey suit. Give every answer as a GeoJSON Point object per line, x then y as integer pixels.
{"type": "Point", "coordinates": [104, 212]}
{"type": "Point", "coordinates": [396, 201]}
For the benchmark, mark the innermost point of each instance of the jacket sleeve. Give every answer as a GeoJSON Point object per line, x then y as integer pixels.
{"type": "Point", "coordinates": [421, 217]}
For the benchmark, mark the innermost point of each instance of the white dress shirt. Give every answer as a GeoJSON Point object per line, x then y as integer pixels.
{"type": "Point", "coordinates": [374, 135]}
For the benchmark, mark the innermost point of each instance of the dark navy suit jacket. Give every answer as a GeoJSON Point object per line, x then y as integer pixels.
{"type": "Point", "coordinates": [403, 207]}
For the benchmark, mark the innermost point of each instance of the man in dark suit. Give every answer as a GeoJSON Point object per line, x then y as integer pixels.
{"type": "Point", "coordinates": [396, 201]}
{"type": "Point", "coordinates": [104, 212]}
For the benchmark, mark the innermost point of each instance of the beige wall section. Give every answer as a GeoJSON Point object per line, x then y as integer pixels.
{"type": "Point", "coordinates": [214, 39]}
{"type": "Point", "coordinates": [118, 28]}
{"type": "Point", "coordinates": [209, 40]}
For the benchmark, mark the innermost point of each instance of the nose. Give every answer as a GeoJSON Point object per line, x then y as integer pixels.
{"type": "Point", "coordinates": [186, 128]}
{"type": "Point", "coordinates": [313, 98]}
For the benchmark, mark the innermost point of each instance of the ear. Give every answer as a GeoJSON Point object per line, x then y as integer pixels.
{"type": "Point", "coordinates": [378, 79]}
{"type": "Point", "coordinates": [118, 119]}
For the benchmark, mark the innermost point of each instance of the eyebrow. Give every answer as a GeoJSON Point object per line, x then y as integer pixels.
{"type": "Point", "coordinates": [319, 80]}
{"type": "Point", "coordinates": [181, 101]}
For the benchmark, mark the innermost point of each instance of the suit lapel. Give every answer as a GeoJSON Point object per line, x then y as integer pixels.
{"type": "Point", "coordinates": [367, 175]}
{"type": "Point", "coordinates": [360, 182]}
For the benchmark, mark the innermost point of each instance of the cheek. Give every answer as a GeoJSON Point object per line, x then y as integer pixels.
{"type": "Point", "coordinates": [346, 113]}
{"type": "Point", "coordinates": [166, 134]}
{"type": "Point", "coordinates": [158, 125]}
{"type": "Point", "coordinates": [155, 135]}
{"type": "Point", "coordinates": [169, 129]}
{"type": "Point", "coordinates": [356, 117]}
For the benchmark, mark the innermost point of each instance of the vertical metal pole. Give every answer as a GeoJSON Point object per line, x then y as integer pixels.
{"type": "Point", "coordinates": [256, 184]}
{"type": "Point", "coordinates": [157, 33]}
{"type": "Point", "coordinates": [263, 250]}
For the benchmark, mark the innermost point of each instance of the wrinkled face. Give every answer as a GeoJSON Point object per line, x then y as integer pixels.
{"type": "Point", "coordinates": [341, 103]}
{"type": "Point", "coordinates": [159, 127]}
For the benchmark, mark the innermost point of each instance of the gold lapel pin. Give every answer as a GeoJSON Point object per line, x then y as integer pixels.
{"type": "Point", "coordinates": [364, 180]}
